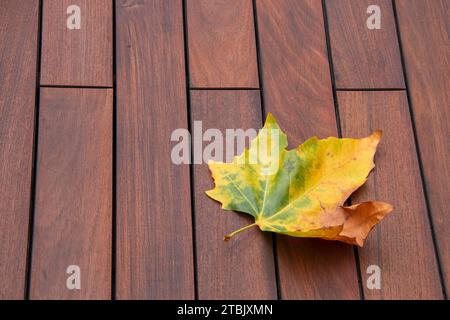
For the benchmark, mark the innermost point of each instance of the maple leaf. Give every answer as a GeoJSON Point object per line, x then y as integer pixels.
{"type": "Point", "coordinates": [301, 192]}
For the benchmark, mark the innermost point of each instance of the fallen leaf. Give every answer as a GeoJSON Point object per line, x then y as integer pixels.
{"type": "Point", "coordinates": [301, 192]}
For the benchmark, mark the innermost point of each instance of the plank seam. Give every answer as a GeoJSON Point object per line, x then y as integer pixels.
{"type": "Point", "coordinates": [76, 87]}
{"type": "Point", "coordinates": [27, 287]}
{"type": "Point", "coordinates": [224, 88]}
{"type": "Point", "coordinates": [370, 89]}
{"type": "Point", "coordinates": [339, 128]}
{"type": "Point", "coordinates": [191, 167]}
{"type": "Point", "coordinates": [114, 160]}
{"type": "Point", "coordinates": [419, 158]}
{"type": "Point", "coordinates": [263, 116]}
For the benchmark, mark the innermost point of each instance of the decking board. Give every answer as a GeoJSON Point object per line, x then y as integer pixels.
{"type": "Point", "coordinates": [222, 49]}
{"type": "Point", "coordinates": [18, 57]}
{"type": "Point", "coordinates": [154, 229]}
{"type": "Point", "coordinates": [77, 57]}
{"type": "Point", "coordinates": [73, 206]}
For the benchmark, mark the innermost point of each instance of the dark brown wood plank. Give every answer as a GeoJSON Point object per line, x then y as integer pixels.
{"type": "Point", "coordinates": [222, 49]}
{"type": "Point", "coordinates": [297, 90]}
{"type": "Point", "coordinates": [18, 52]}
{"type": "Point", "coordinates": [216, 279]}
{"type": "Point", "coordinates": [424, 28]}
{"type": "Point", "coordinates": [154, 230]}
{"type": "Point", "coordinates": [401, 245]}
{"type": "Point", "coordinates": [77, 57]}
{"type": "Point", "coordinates": [73, 208]}
{"type": "Point", "coordinates": [364, 58]}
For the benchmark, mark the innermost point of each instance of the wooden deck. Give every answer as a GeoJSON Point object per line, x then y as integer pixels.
{"type": "Point", "coordinates": [86, 117]}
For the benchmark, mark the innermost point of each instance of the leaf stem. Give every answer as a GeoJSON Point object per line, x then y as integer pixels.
{"type": "Point", "coordinates": [228, 236]}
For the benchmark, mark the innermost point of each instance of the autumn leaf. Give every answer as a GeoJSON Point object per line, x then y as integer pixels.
{"type": "Point", "coordinates": [301, 192]}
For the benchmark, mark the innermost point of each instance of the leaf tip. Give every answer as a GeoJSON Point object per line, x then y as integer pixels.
{"type": "Point", "coordinates": [389, 207]}
{"type": "Point", "coordinates": [209, 193]}
{"type": "Point", "coordinates": [270, 117]}
{"type": "Point", "coordinates": [377, 134]}
{"type": "Point", "coordinates": [270, 121]}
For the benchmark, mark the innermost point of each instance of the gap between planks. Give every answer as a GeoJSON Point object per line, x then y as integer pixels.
{"type": "Point", "coordinates": [34, 158]}
{"type": "Point", "coordinates": [191, 167]}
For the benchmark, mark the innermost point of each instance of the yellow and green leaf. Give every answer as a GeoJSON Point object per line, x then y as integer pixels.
{"type": "Point", "coordinates": [301, 192]}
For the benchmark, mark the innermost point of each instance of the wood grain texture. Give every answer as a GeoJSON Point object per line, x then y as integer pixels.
{"type": "Point", "coordinates": [401, 245]}
{"type": "Point", "coordinates": [154, 230]}
{"type": "Point", "coordinates": [77, 57]}
{"type": "Point", "coordinates": [242, 268]}
{"type": "Point", "coordinates": [18, 53]}
{"type": "Point", "coordinates": [424, 28]}
{"type": "Point", "coordinates": [73, 208]}
{"type": "Point", "coordinates": [222, 49]}
{"type": "Point", "coordinates": [364, 58]}
{"type": "Point", "coordinates": [297, 90]}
